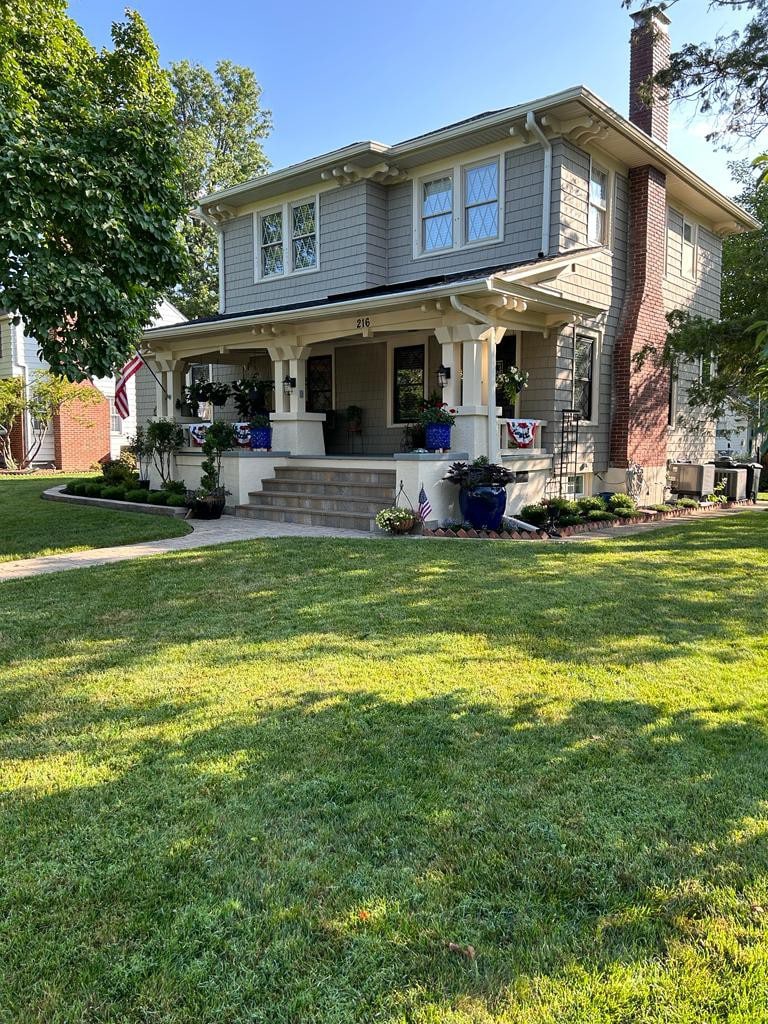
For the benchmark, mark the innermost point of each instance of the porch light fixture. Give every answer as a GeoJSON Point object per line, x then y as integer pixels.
{"type": "Point", "coordinates": [443, 375]}
{"type": "Point", "coordinates": [288, 385]}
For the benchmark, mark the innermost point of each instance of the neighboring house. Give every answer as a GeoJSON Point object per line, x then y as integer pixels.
{"type": "Point", "coordinates": [553, 235]}
{"type": "Point", "coordinates": [82, 434]}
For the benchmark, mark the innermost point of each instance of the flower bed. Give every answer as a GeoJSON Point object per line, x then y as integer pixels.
{"type": "Point", "coordinates": [640, 519]}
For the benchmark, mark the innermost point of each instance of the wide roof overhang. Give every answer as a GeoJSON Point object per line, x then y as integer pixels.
{"type": "Point", "coordinates": [526, 297]}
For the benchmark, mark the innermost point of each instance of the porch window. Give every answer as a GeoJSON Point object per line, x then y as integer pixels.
{"type": "Point", "coordinates": [408, 382]}
{"type": "Point", "coordinates": [598, 206]}
{"type": "Point", "coordinates": [481, 201]}
{"type": "Point", "coordinates": [304, 235]}
{"type": "Point", "coordinates": [583, 368]}
{"type": "Point", "coordinates": [319, 383]}
{"type": "Point", "coordinates": [272, 261]}
{"type": "Point", "coordinates": [437, 214]}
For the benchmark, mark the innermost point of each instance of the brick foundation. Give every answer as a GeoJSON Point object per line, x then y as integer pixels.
{"type": "Point", "coordinates": [81, 434]}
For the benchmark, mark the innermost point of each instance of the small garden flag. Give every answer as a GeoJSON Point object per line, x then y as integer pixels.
{"type": "Point", "coordinates": [425, 509]}
{"type": "Point", "coordinates": [121, 395]}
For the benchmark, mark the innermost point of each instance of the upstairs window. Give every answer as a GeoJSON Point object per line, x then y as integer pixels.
{"type": "Point", "coordinates": [437, 214]}
{"type": "Point", "coordinates": [286, 239]}
{"type": "Point", "coordinates": [583, 369]}
{"type": "Point", "coordinates": [688, 258]}
{"type": "Point", "coordinates": [481, 202]}
{"type": "Point", "coordinates": [598, 206]}
{"type": "Point", "coordinates": [115, 419]}
{"type": "Point", "coordinates": [272, 261]}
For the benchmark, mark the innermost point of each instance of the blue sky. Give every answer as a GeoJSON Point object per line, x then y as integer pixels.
{"type": "Point", "coordinates": [338, 72]}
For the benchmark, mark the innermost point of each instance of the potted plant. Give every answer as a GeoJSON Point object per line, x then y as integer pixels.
{"type": "Point", "coordinates": [214, 391]}
{"type": "Point", "coordinates": [164, 437]}
{"type": "Point", "coordinates": [207, 502]}
{"type": "Point", "coordinates": [354, 416]}
{"type": "Point", "coordinates": [482, 491]}
{"type": "Point", "coordinates": [436, 419]}
{"type": "Point", "coordinates": [396, 519]}
{"type": "Point", "coordinates": [250, 396]}
{"type": "Point", "coordinates": [189, 400]}
{"type": "Point", "coordinates": [261, 431]}
{"type": "Point", "coordinates": [140, 448]}
{"type": "Point", "coordinates": [511, 382]}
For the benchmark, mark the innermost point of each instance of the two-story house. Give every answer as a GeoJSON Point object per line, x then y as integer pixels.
{"type": "Point", "coordinates": [553, 235]}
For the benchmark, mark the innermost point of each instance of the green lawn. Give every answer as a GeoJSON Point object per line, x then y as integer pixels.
{"type": "Point", "coordinates": [270, 782]}
{"type": "Point", "coordinates": [32, 527]}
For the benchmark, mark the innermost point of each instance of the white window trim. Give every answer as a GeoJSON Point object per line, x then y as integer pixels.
{"type": "Point", "coordinates": [586, 483]}
{"type": "Point", "coordinates": [114, 418]}
{"type": "Point", "coordinates": [597, 338]}
{"type": "Point", "coordinates": [392, 344]}
{"type": "Point", "coordinates": [694, 246]}
{"type": "Point", "coordinates": [456, 172]}
{"type": "Point", "coordinates": [609, 187]}
{"type": "Point", "coordinates": [285, 209]}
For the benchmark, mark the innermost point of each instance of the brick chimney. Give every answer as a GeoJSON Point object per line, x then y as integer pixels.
{"type": "Point", "coordinates": [649, 44]}
{"type": "Point", "coordinates": [640, 427]}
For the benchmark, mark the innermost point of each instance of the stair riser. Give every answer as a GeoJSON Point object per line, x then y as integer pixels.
{"type": "Point", "coordinates": [379, 478]}
{"type": "Point", "coordinates": [323, 503]}
{"type": "Point", "coordinates": [318, 489]}
{"type": "Point", "coordinates": [306, 517]}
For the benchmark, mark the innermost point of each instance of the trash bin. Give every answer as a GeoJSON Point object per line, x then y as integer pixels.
{"type": "Point", "coordinates": [754, 469]}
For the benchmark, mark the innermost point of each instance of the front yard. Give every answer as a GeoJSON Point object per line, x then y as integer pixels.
{"type": "Point", "coordinates": [275, 781]}
{"type": "Point", "coordinates": [32, 527]}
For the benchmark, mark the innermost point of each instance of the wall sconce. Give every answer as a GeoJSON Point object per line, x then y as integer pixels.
{"type": "Point", "coordinates": [288, 385]}
{"type": "Point", "coordinates": [443, 375]}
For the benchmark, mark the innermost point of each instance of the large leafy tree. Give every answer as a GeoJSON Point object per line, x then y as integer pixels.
{"type": "Point", "coordinates": [90, 185]}
{"type": "Point", "coordinates": [221, 127]}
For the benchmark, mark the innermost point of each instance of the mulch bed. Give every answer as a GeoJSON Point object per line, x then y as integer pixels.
{"type": "Point", "coordinates": [570, 531]}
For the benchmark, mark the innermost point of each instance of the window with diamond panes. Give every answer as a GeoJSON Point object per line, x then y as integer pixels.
{"type": "Point", "coordinates": [272, 261]}
{"type": "Point", "coordinates": [481, 202]}
{"type": "Point", "coordinates": [304, 236]}
{"type": "Point", "coordinates": [408, 381]}
{"type": "Point", "coordinates": [583, 358]}
{"type": "Point", "coordinates": [437, 214]}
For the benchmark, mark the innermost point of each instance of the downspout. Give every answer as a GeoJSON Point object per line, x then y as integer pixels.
{"type": "Point", "coordinates": [493, 428]}
{"type": "Point", "coordinates": [546, 210]}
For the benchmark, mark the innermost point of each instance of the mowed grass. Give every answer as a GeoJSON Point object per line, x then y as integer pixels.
{"type": "Point", "coordinates": [32, 527]}
{"type": "Point", "coordinates": [271, 782]}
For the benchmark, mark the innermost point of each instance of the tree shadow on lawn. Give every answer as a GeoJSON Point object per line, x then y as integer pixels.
{"type": "Point", "coordinates": [310, 862]}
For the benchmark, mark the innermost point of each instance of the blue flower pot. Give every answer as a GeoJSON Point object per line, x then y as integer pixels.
{"type": "Point", "coordinates": [438, 436]}
{"type": "Point", "coordinates": [261, 437]}
{"type": "Point", "coordinates": [483, 506]}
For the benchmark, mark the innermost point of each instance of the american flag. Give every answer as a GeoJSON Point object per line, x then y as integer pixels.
{"type": "Point", "coordinates": [121, 394]}
{"type": "Point", "coordinates": [425, 509]}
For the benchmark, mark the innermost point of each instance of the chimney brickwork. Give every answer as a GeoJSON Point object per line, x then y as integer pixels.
{"type": "Point", "coordinates": [649, 54]}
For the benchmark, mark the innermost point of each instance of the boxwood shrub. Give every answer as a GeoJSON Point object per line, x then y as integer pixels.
{"type": "Point", "coordinates": [157, 498]}
{"type": "Point", "coordinates": [93, 490]}
{"type": "Point", "coordinates": [138, 495]}
{"type": "Point", "coordinates": [536, 515]}
{"type": "Point", "coordinates": [113, 492]}
{"type": "Point", "coordinates": [176, 500]}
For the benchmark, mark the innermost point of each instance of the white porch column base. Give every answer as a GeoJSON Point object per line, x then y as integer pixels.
{"type": "Point", "coordinates": [298, 433]}
{"type": "Point", "coordinates": [470, 432]}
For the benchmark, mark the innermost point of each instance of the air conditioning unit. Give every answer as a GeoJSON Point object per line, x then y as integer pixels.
{"type": "Point", "coordinates": [735, 481]}
{"type": "Point", "coordinates": [692, 479]}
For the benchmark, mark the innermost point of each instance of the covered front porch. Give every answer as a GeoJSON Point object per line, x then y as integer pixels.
{"type": "Point", "coordinates": [349, 376]}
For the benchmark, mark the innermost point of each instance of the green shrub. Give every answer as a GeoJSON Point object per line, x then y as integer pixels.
{"type": "Point", "coordinates": [596, 516]}
{"type": "Point", "coordinates": [175, 487]}
{"type": "Point", "coordinates": [593, 503]}
{"type": "Point", "coordinates": [176, 500]}
{"type": "Point", "coordinates": [663, 507]}
{"type": "Point", "coordinates": [77, 486]}
{"type": "Point", "coordinates": [687, 503]}
{"type": "Point", "coordinates": [157, 498]}
{"type": "Point", "coordinates": [119, 473]}
{"type": "Point", "coordinates": [562, 506]}
{"type": "Point", "coordinates": [566, 520]}
{"type": "Point", "coordinates": [623, 512]}
{"type": "Point", "coordinates": [137, 495]}
{"type": "Point", "coordinates": [536, 515]}
{"type": "Point", "coordinates": [618, 501]}
{"type": "Point", "coordinates": [114, 493]}
{"type": "Point", "coordinates": [93, 490]}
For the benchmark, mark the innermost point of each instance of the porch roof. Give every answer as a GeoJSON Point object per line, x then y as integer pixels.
{"type": "Point", "coordinates": [521, 295]}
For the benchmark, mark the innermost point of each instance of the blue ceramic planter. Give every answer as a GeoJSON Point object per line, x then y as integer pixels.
{"type": "Point", "coordinates": [438, 436]}
{"type": "Point", "coordinates": [261, 437]}
{"type": "Point", "coordinates": [483, 506]}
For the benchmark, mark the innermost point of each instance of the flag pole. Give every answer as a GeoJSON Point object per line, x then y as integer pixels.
{"type": "Point", "coordinates": [157, 379]}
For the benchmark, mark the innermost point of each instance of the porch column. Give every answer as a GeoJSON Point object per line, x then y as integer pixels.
{"type": "Point", "coordinates": [477, 393]}
{"type": "Point", "coordinates": [294, 429]}
{"type": "Point", "coordinates": [166, 401]}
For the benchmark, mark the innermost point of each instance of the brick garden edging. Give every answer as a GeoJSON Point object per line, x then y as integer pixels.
{"type": "Point", "coordinates": [590, 527]}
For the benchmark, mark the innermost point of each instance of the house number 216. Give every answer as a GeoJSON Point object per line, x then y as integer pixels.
{"type": "Point", "coordinates": [363, 321]}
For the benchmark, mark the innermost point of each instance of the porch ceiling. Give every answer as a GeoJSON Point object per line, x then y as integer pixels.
{"type": "Point", "coordinates": [520, 298]}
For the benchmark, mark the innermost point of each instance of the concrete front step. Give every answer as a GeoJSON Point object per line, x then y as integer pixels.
{"type": "Point", "coordinates": [317, 488]}
{"type": "Point", "coordinates": [306, 517]}
{"type": "Point", "coordinates": [376, 477]}
{"type": "Point", "coordinates": [321, 502]}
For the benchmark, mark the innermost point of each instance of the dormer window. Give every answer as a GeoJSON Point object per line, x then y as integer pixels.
{"type": "Point", "coordinates": [481, 201]}
{"type": "Point", "coordinates": [457, 207]}
{"type": "Point", "coordinates": [598, 206]}
{"type": "Point", "coordinates": [286, 239]}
